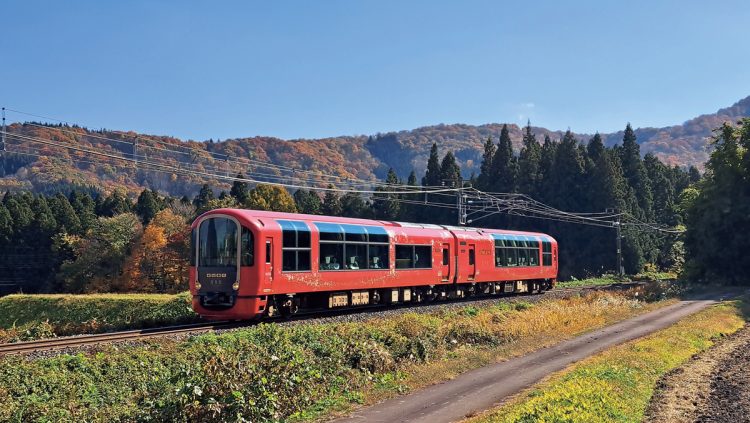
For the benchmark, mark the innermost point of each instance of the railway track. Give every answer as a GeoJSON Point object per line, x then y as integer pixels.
{"type": "Point", "coordinates": [128, 335]}
{"type": "Point", "coordinates": [76, 341]}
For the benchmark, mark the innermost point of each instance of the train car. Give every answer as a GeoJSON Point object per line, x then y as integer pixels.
{"type": "Point", "coordinates": [247, 264]}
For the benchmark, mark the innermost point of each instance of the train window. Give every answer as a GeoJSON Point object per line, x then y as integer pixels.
{"type": "Point", "coordinates": [247, 248]}
{"type": "Point", "coordinates": [376, 234]}
{"type": "Point", "coordinates": [217, 243]}
{"type": "Point", "coordinates": [422, 257]}
{"type": "Point", "coordinates": [355, 256]}
{"type": "Point", "coordinates": [511, 257]}
{"type": "Point", "coordinates": [534, 257]}
{"type": "Point", "coordinates": [472, 257]}
{"type": "Point", "coordinates": [355, 233]}
{"type": "Point", "coordinates": [330, 231]}
{"type": "Point", "coordinates": [352, 247]}
{"type": "Point", "coordinates": [331, 256]}
{"type": "Point", "coordinates": [446, 256]}
{"type": "Point", "coordinates": [378, 256]}
{"type": "Point", "coordinates": [295, 246]}
{"type": "Point", "coordinates": [268, 252]}
{"type": "Point", "coordinates": [413, 257]}
{"type": "Point", "coordinates": [523, 257]}
{"type": "Point", "coordinates": [546, 253]}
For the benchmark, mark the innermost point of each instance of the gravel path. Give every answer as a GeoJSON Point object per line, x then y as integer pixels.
{"type": "Point", "coordinates": [712, 387]}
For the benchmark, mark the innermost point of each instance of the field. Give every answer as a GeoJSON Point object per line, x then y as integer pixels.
{"type": "Point", "coordinates": [618, 384]}
{"type": "Point", "coordinates": [27, 317]}
{"type": "Point", "coordinates": [295, 371]}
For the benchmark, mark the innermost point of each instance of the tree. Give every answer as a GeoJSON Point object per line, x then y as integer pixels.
{"type": "Point", "coordinates": [148, 205]}
{"type": "Point", "coordinates": [307, 201]}
{"type": "Point", "coordinates": [205, 195]}
{"type": "Point", "coordinates": [331, 203]}
{"type": "Point", "coordinates": [270, 197]}
{"type": "Point", "coordinates": [64, 214]}
{"type": "Point", "coordinates": [387, 206]}
{"type": "Point", "coordinates": [100, 255]}
{"type": "Point", "coordinates": [115, 204]}
{"type": "Point", "coordinates": [239, 189]}
{"type": "Point", "coordinates": [528, 163]}
{"type": "Point", "coordinates": [409, 212]}
{"type": "Point", "coordinates": [432, 175]}
{"type": "Point", "coordinates": [353, 205]}
{"type": "Point", "coordinates": [84, 207]}
{"type": "Point", "coordinates": [504, 169]}
{"type": "Point", "coordinates": [6, 225]}
{"type": "Point", "coordinates": [484, 180]}
{"type": "Point", "coordinates": [718, 218]}
{"type": "Point", "coordinates": [635, 172]}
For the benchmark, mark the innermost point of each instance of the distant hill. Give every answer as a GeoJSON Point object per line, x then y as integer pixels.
{"type": "Point", "coordinates": [348, 156]}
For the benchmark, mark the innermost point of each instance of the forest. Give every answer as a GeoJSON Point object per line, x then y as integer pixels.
{"type": "Point", "coordinates": [81, 240]}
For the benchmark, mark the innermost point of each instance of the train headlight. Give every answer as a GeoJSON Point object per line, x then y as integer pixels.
{"type": "Point", "coordinates": [236, 286]}
{"type": "Point", "coordinates": [197, 285]}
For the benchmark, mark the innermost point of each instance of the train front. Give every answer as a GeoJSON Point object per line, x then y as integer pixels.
{"type": "Point", "coordinates": [223, 269]}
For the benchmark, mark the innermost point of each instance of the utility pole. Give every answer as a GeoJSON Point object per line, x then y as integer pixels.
{"type": "Point", "coordinates": [2, 140]}
{"type": "Point", "coordinates": [618, 231]}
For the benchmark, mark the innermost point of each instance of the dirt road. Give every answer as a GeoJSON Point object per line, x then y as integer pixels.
{"type": "Point", "coordinates": [480, 389]}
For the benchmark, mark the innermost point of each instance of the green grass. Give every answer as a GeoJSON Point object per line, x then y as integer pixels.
{"type": "Point", "coordinates": [298, 372]}
{"type": "Point", "coordinates": [617, 385]}
{"type": "Point", "coordinates": [34, 316]}
{"type": "Point", "coordinates": [601, 280]}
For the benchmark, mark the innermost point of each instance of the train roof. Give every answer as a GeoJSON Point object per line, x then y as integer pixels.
{"type": "Point", "coordinates": [262, 214]}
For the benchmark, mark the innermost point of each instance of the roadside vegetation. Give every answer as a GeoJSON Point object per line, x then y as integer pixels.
{"type": "Point", "coordinates": [297, 372]}
{"type": "Point", "coordinates": [618, 384]}
{"type": "Point", "coordinates": [29, 317]}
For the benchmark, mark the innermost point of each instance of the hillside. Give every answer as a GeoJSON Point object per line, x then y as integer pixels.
{"type": "Point", "coordinates": [44, 167]}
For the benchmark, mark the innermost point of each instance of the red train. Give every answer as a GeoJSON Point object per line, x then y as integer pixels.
{"type": "Point", "coordinates": [247, 263]}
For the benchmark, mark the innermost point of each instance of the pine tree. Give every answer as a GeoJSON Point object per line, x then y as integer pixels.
{"type": "Point", "coordinates": [409, 211]}
{"type": "Point", "coordinates": [205, 195]}
{"type": "Point", "coordinates": [387, 206]}
{"type": "Point", "coordinates": [84, 207]}
{"type": "Point", "coordinates": [6, 225]}
{"type": "Point", "coordinates": [65, 215]}
{"type": "Point", "coordinates": [353, 205]}
{"type": "Point", "coordinates": [504, 171]}
{"type": "Point", "coordinates": [147, 206]}
{"type": "Point", "coordinates": [528, 163]}
{"type": "Point", "coordinates": [450, 172]}
{"type": "Point", "coordinates": [432, 175]}
{"type": "Point", "coordinates": [331, 203]}
{"type": "Point", "coordinates": [635, 172]}
{"type": "Point", "coordinates": [239, 190]}
{"type": "Point", "coordinates": [484, 180]}
{"type": "Point", "coordinates": [116, 203]}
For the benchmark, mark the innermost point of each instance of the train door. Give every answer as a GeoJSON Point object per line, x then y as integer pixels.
{"type": "Point", "coordinates": [472, 261]}
{"type": "Point", "coordinates": [268, 263]}
{"type": "Point", "coordinates": [446, 263]}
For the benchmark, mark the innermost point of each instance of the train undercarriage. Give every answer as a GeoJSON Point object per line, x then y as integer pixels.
{"type": "Point", "coordinates": [291, 304]}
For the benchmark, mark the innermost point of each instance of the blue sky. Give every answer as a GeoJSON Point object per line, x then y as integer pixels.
{"type": "Point", "coordinates": [308, 69]}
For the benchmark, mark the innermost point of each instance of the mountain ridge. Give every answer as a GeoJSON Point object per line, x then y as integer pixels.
{"type": "Point", "coordinates": [355, 156]}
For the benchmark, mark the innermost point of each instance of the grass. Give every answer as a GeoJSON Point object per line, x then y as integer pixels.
{"type": "Point", "coordinates": [617, 384]}
{"type": "Point", "coordinates": [299, 372]}
{"type": "Point", "coordinates": [601, 280]}
{"type": "Point", "coordinates": [26, 317]}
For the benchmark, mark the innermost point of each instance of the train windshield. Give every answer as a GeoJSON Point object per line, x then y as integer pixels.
{"type": "Point", "coordinates": [217, 243]}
